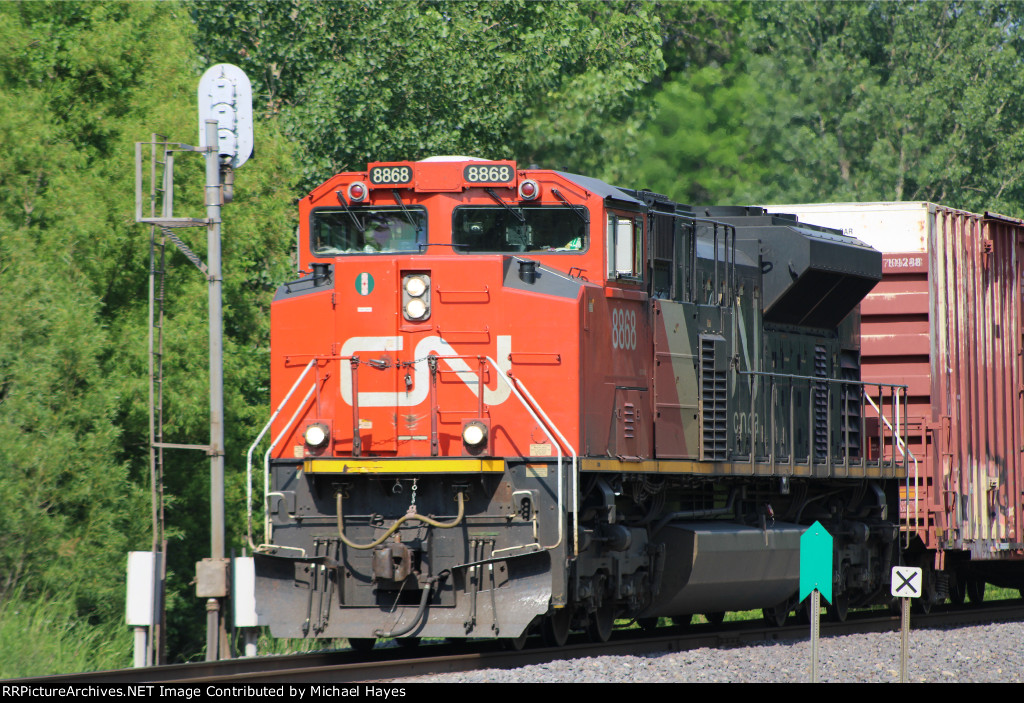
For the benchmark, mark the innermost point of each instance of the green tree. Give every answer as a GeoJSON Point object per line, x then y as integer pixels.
{"type": "Point", "coordinates": [892, 101]}
{"type": "Point", "coordinates": [697, 146]}
{"type": "Point", "coordinates": [79, 84]}
{"type": "Point", "coordinates": [816, 101]}
{"type": "Point", "coordinates": [558, 84]}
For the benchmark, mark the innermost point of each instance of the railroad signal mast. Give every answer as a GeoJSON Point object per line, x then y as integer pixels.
{"type": "Point", "coordinates": [226, 141]}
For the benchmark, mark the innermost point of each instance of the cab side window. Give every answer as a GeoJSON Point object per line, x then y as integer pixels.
{"type": "Point", "coordinates": [625, 239]}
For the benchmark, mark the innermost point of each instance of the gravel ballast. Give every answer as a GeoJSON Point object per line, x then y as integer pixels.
{"type": "Point", "coordinates": [981, 653]}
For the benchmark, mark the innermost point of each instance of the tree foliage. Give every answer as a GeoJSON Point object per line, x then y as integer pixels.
{"type": "Point", "coordinates": [72, 509]}
{"type": "Point", "coordinates": [79, 84]}
{"type": "Point", "coordinates": [898, 101]}
{"type": "Point", "coordinates": [843, 101]}
{"type": "Point", "coordinates": [550, 83]}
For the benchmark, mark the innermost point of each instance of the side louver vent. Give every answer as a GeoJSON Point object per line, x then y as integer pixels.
{"type": "Point", "coordinates": [714, 396]}
{"type": "Point", "coordinates": [820, 404]}
{"type": "Point", "coordinates": [851, 402]}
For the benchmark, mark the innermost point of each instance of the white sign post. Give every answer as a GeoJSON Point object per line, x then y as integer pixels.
{"type": "Point", "coordinates": [907, 583]}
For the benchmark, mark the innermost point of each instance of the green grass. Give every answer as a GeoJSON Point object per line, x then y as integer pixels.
{"type": "Point", "coordinates": [997, 593]}
{"type": "Point", "coordinates": [41, 636]}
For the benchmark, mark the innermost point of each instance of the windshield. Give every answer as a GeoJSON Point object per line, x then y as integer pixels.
{"type": "Point", "coordinates": [384, 230]}
{"type": "Point", "coordinates": [497, 229]}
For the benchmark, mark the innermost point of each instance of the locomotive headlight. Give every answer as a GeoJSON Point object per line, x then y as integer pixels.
{"type": "Point", "coordinates": [315, 435]}
{"type": "Point", "coordinates": [416, 296]}
{"type": "Point", "coordinates": [474, 433]}
{"type": "Point", "coordinates": [415, 309]}
{"type": "Point", "coordinates": [415, 286]}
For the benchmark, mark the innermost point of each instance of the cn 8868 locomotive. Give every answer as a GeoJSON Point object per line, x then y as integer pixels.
{"type": "Point", "coordinates": [513, 400]}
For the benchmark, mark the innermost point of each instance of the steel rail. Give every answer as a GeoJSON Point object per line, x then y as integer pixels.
{"type": "Point", "coordinates": [390, 664]}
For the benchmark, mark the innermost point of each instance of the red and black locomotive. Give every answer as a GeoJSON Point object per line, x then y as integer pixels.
{"type": "Point", "coordinates": [511, 400]}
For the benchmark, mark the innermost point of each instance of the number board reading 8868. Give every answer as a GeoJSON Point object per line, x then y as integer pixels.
{"type": "Point", "coordinates": [489, 173]}
{"type": "Point", "coordinates": [390, 175]}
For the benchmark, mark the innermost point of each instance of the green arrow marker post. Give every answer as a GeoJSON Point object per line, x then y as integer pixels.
{"type": "Point", "coordinates": [815, 580]}
{"type": "Point", "coordinates": [816, 562]}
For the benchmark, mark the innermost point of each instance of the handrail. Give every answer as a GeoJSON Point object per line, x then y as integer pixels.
{"type": "Point", "coordinates": [899, 441]}
{"type": "Point", "coordinates": [515, 385]}
{"type": "Point", "coordinates": [894, 388]}
{"type": "Point", "coordinates": [558, 447]}
{"type": "Point", "coordinates": [266, 462]}
{"type": "Point", "coordinates": [899, 444]}
{"type": "Point", "coordinates": [575, 471]}
{"type": "Point", "coordinates": [259, 438]}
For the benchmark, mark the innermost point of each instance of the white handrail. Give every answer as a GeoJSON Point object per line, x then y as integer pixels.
{"type": "Point", "coordinates": [543, 426]}
{"type": "Point", "coordinates": [259, 438]}
{"type": "Point", "coordinates": [901, 446]}
{"type": "Point", "coordinates": [266, 463]}
{"type": "Point", "coordinates": [575, 472]}
{"type": "Point", "coordinates": [517, 387]}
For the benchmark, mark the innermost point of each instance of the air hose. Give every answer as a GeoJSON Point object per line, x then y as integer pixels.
{"type": "Point", "coordinates": [398, 523]}
{"type": "Point", "coordinates": [424, 598]}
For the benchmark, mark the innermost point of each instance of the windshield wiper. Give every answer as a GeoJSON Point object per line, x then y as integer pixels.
{"type": "Point", "coordinates": [519, 215]}
{"type": "Point", "coordinates": [555, 192]}
{"type": "Point", "coordinates": [398, 199]}
{"type": "Point", "coordinates": [359, 225]}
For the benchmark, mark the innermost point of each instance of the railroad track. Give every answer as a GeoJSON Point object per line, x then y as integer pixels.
{"type": "Point", "coordinates": [386, 664]}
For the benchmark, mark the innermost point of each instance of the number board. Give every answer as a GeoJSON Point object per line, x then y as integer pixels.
{"type": "Point", "coordinates": [391, 175]}
{"type": "Point", "coordinates": [500, 173]}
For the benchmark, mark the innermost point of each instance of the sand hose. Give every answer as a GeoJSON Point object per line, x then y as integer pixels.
{"type": "Point", "coordinates": [398, 523]}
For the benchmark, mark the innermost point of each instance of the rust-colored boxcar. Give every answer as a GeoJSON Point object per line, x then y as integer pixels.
{"type": "Point", "coordinates": [946, 320]}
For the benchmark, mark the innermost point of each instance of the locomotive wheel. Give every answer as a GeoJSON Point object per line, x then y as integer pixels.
{"type": "Point", "coordinates": [601, 622]}
{"type": "Point", "coordinates": [716, 618]}
{"type": "Point", "coordinates": [976, 590]}
{"type": "Point", "coordinates": [647, 624]}
{"type": "Point", "coordinates": [957, 591]}
{"type": "Point", "coordinates": [556, 627]}
{"type": "Point", "coordinates": [518, 643]}
{"type": "Point", "coordinates": [776, 615]}
{"type": "Point", "coordinates": [362, 644]}
{"type": "Point", "coordinates": [803, 612]}
{"type": "Point", "coordinates": [840, 607]}
{"type": "Point", "coordinates": [681, 620]}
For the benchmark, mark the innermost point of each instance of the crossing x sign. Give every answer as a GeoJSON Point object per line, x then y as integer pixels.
{"type": "Point", "coordinates": [907, 582]}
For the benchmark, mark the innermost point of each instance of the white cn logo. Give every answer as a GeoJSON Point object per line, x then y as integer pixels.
{"type": "Point", "coordinates": [421, 374]}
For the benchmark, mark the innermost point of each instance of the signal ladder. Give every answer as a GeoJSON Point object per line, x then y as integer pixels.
{"type": "Point", "coordinates": [161, 195]}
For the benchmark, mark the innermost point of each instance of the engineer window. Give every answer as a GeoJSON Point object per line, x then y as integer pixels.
{"type": "Point", "coordinates": [519, 229]}
{"type": "Point", "coordinates": [336, 232]}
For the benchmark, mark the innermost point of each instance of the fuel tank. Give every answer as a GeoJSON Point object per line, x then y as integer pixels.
{"type": "Point", "coordinates": [725, 566]}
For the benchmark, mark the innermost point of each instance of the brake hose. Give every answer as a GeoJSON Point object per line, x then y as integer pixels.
{"type": "Point", "coordinates": [398, 523]}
